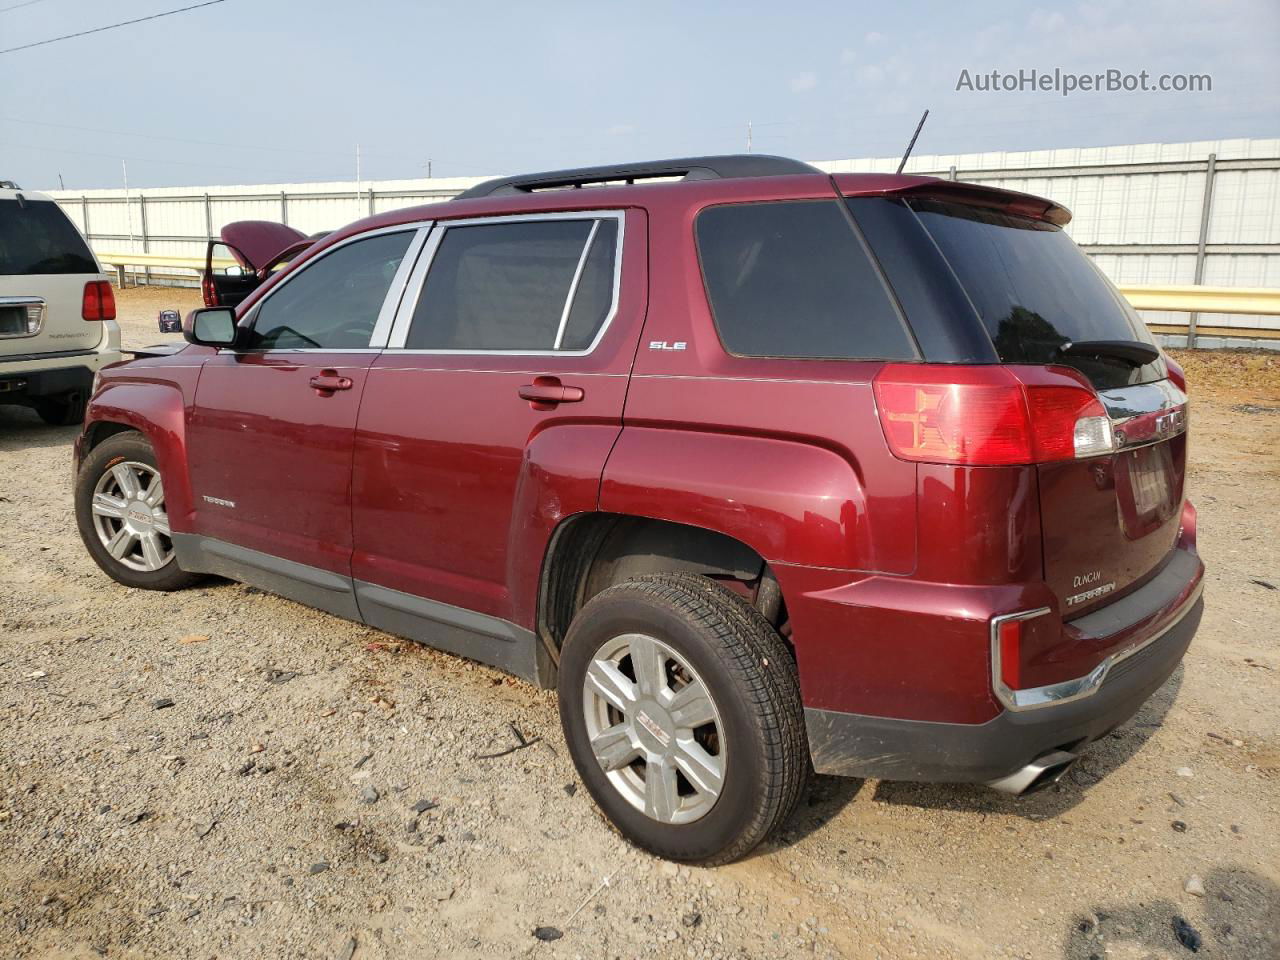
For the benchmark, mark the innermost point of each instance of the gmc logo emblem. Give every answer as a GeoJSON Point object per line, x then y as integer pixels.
{"type": "Point", "coordinates": [1170, 423]}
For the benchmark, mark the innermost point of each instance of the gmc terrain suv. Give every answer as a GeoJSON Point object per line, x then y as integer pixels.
{"type": "Point", "coordinates": [57, 309]}
{"type": "Point", "coordinates": [764, 470]}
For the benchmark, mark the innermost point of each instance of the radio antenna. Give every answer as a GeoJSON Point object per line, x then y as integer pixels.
{"type": "Point", "coordinates": [919, 127]}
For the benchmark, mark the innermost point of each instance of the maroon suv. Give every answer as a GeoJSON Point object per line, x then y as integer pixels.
{"type": "Point", "coordinates": [764, 469]}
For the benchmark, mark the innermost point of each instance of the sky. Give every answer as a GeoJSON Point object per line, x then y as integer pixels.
{"type": "Point", "coordinates": [269, 91]}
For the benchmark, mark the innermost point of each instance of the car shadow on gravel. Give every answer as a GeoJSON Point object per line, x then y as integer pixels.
{"type": "Point", "coordinates": [1238, 916]}
{"type": "Point", "coordinates": [22, 429]}
{"type": "Point", "coordinates": [829, 795]}
{"type": "Point", "coordinates": [1097, 761]}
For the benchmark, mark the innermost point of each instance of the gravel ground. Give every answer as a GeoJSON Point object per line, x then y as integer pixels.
{"type": "Point", "coordinates": [223, 773]}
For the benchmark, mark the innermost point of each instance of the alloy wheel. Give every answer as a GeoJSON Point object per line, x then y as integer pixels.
{"type": "Point", "coordinates": [129, 516]}
{"type": "Point", "coordinates": [654, 728]}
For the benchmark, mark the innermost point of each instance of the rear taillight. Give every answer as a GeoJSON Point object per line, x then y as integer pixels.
{"type": "Point", "coordinates": [990, 415]}
{"type": "Point", "coordinates": [1176, 373]}
{"type": "Point", "coordinates": [99, 302]}
{"type": "Point", "coordinates": [1009, 637]}
{"type": "Point", "coordinates": [208, 291]}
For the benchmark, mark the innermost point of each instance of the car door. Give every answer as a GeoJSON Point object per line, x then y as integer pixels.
{"type": "Point", "coordinates": [489, 418]}
{"type": "Point", "coordinates": [270, 437]}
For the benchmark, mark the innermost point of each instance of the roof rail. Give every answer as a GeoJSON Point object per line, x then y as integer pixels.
{"type": "Point", "coordinates": [728, 166]}
{"type": "Point", "coordinates": [9, 185]}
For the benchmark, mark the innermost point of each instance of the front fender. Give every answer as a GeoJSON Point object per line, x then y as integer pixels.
{"type": "Point", "coordinates": [157, 408]}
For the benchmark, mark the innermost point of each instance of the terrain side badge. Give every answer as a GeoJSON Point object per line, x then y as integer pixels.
{"type": "Point", "coordinates": [220, 503]}
{"type": "Point", "coordinates": [668, 345]}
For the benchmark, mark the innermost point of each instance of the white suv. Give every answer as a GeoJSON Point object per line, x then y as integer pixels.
{"type": "Point", "coordinates": [57, 309]}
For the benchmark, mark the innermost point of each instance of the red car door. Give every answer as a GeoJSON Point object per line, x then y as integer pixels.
{"type": "Point", "coordinates": [489, 419]}
{"type": "Point", "coordinates": [270, 438]}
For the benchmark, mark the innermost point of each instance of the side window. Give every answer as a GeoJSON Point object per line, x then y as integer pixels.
{"type": "Point", "coordinates": [333, 303]}
{"type": "Point", "coordinates": [536, 285]}
{"type": "Point", "coordinates": [791, 279]}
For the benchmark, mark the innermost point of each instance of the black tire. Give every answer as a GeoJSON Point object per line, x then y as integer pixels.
{"type": "Point", "coordinates": [128, 446]}
{"type": "Point", "coordinates": [64, 411]}
{"type": "Point", "coordinates": [752, 680]}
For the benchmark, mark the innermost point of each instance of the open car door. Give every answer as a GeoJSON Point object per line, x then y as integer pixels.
{"type": "Point", "coordinates": [236, 264]}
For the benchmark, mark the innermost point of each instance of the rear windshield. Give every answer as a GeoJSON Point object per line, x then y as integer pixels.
{"type": "Point", "coordinates": [1034, 289]}
{"type": "Point", "coordinates": [36, 237]}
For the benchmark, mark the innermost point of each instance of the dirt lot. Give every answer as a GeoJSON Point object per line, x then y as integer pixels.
{"type": "Point", "coordinates": [315, 786]}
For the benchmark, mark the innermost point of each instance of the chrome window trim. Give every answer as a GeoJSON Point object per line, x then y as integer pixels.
{"type": "Point", "coordinates": [573, 284]}
{"type": "Point", "coordinates": [1068, 691]}
{"type": "Point", "coordinates": [395, 293]}
{"type": "Point", "coordinates": [417, 282]}
{"type": "Point", "coordinates": [386, 312]}
{"type": "Point", "coordinates": [26, 302]}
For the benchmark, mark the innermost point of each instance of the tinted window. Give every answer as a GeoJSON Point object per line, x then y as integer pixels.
{"type": "Point", "coordinates": [791, 279]}
{"type": "Point", "coordinates": [505, 286]}
{"type": "Point", "coordinates": [593, 298]}
{"type": "Point", "coordinates": [334, 302]}
{"type": "Point", "coordinates": [37, 237]}
{"type": "Point", "coordinates": [1034, 288]}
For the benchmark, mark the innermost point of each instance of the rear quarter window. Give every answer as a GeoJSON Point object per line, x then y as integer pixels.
{"type": "Point", "coordinates": [37, 238]}
{"type": "Point", "coordinates": [792, 279]}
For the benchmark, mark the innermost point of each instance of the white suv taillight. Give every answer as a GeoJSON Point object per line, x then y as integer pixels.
{"type": "Point", "coordinates": [99, 302]}
{"type": "Point", "coordinates": [990, 415]}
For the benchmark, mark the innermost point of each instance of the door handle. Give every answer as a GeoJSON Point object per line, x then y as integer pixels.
{"type": "Point", "coordinates": [328, 381]}
{"type": "Point", "coordinates": [546, 392]}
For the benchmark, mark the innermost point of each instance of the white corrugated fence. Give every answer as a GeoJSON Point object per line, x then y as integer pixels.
{"type": "Point", "coordinates": [1176, 213]}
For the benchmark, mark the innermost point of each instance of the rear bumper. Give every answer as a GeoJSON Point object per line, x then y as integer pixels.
{"type": "Point", "coordinates": [854, 745]}
{"type": "Point", "coordinates": [25, 377]}
{"type": "Point", "coordinates": [24, 386]}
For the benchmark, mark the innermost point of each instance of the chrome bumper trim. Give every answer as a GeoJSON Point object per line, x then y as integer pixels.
{"type": "Point", "coordinates": [1066, 691]}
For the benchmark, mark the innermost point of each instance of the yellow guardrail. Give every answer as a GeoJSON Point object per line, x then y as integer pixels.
{"type": "Point", "coordinates": [161, 260]}
{"type": "Point", "coordinates": [1193, 299]}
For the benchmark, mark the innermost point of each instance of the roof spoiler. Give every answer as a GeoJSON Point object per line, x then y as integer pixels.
{"type": "Point", "coordinates": [977, 195]}
{"type": "Point", "coordinates": [725, 167]}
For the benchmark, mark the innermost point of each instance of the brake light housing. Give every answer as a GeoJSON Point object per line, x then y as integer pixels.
{"type": "Point", "coordinates": [208, 291]}
{"type": "Point", "coordinates": [990, 415]}
{"type": "Point", "coordinates": [98, 302]}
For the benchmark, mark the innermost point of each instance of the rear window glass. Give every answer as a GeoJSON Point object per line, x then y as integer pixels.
{"type": "Point", "coordinates": [36, 237]}
{"type": "Point", "coordinates": [791, 279]}
{"type": "Point", "coordinates": [1034, 289]}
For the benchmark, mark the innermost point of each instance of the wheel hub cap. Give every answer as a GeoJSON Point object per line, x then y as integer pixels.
{"type": "Point", "coordinates": [129, 516]}
{"type": "Point", "coordinates": [659, 732]}
{"type": "Point", "coordinates": [654, 728]}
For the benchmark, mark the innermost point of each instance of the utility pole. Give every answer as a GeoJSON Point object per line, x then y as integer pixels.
{"type": "Point", "coordinates": [748, 136]}
{"type": "Point", "coordinates": [428, 168]}
{"type": "Point", "coordinates": [128, 205]}
{"type": "Point", "coordinates": [61, 185]}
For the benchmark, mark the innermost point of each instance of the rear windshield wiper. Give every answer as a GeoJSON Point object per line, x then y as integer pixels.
{"type": "Point", "coordinates": [1130, 351]}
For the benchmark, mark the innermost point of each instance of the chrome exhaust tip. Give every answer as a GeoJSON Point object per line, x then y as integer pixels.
{"type": "Point", "coordinates": [1044, 771]}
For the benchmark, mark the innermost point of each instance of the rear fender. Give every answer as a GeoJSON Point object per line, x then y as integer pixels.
{"type": "Point", "coordinates": [789, 501]}
{"type": "Point", "coordinates": [560, 477]}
